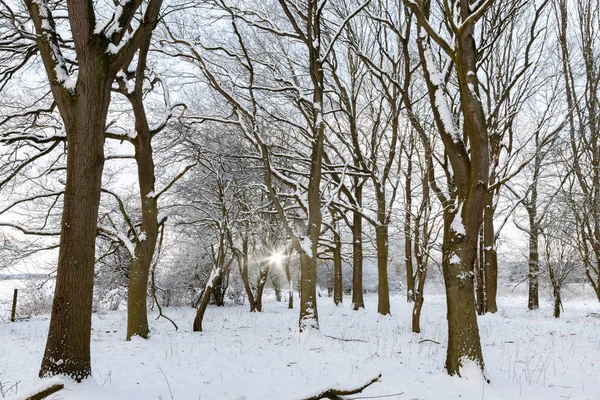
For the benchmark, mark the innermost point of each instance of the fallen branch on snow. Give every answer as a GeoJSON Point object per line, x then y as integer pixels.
{"type": "Point", "coordinates": [428, 340]}
{"type": "Point", "coordinates": [46, 392]}
{"type": "Point", "coordinates": [337, 393]}
{"type": "Point", "coordinates": [346, 340]}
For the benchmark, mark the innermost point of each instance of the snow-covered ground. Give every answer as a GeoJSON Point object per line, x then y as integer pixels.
{"type": "Point", "coordinates": [260, 356]}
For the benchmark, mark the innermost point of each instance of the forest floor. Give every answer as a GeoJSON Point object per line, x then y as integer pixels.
{"type": "Point", "coordinates": [260, 356]}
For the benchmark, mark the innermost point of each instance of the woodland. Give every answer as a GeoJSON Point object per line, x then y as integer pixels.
{"type": "Point", "coordinates": [204, 162]}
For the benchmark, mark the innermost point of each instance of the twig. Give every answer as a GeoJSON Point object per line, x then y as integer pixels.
{"type": "Point", "coordinates": [166, 380]}
{"type": "Point", "coordinates": [346, 340]}
{"type": "Point", "coordinates": [160, 313]}
{"type": "Point", "coordinates": [383, 396]}
{"type": "Point", "coordinates": [428, 340]}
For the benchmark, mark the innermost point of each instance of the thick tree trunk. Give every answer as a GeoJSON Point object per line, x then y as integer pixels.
{"type": "Point", "coordinates": [337, 270]}
{"type": "Point", "coordinates": [357, 252]}
{"type": "Point", "coordinates": [381, 237]}
{"type": "Point", "coordinates": [308, 293]}
{"type": "Point", "coordinates": [457, 263]}
{"type": "Point", "coordinates": [490, 255]}
{"type": "Point", "coordinates": [68, 345]}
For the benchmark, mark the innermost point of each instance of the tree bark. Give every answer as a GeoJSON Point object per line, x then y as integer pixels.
{"type": "Point", "coordinates": [243, 268]}
{"type": "Point", "coordinates": [357, 252]}
{"type": "Point", "coordinates": [490, 254]}
{"type": "Point", "coordinates": [381, 237]}
{"type": "Point", "coordinates": [337, 270]}
{"type": "Point", "coordinates": [479, 277]}
{"type": "Point", "coordinates": [260, 286]}
{"type": "Point", "coordinates": [463, 332]}
{"type": "Point", "coordinates": [137, 313]}
{"type": "Point", "coordinates": [83, 109]}
{"type": "Point", "coordinates": [68, 345]}
{"type": "Point", "coordinates": [289, 279]}
{"type": "Point", "coordinates": [534, 264]}
{"type": "Point", "coordinates": [197, 327]}
{"type": "Point", "coordinates": [410, 278]}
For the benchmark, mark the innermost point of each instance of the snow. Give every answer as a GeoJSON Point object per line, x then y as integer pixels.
{"type": "Point", "coordinates": [457, 224]}
{"type": "Point", "coordinates": [307, 246]}
{"type": "Point", "coordinates": [125, 240]}
{"type": "Point", "coordinates": [42, 385]}
{"type": "Point", "coordinates": [441, 102]}
{"type": "Point", "coordinates": [260, 356]}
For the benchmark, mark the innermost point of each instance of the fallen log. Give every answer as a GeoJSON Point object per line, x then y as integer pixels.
{"type": "Point", "coordinates": [46, 392]}
{"type": "Point", "coordinates": [337, 393]}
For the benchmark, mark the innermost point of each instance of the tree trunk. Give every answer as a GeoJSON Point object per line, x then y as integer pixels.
{"type": "Point", "coordinates": [381, 235]}
{"type": "Point", "coordinates": [410, 278]}
{"type": "Point", "coordinates": [262, 280]}
{"type": "Point", "coordinates": [490, 254]}
{"type": "Point", "coordinates": [219, 291]}
{"type": "Point", "coordinates": [534, 265]}
{"type": "Point", "coordinates": [479, 261]}
{"type": "Point", "coordinates": [243, 268]}
{"type": "Point", "coordinates": [419, 298]}
{"type": "Point", "coordinates": [557, 302]}
{"type": "Point", "coordinates": [357, 252]}
{"type": "Point", "coordinates": [68, 345]}
{"type": "Point", "coordinates": [457, 262]}
{"type": "Point", "coordinates": [337, 270]}
{"type": "Point", "coordinates": [137, 313]}
{"type": "Point", "coordinates": [215, 275]}
{"type": "Point", "coordinates": [202, 309]}
{"type": "Point", "coordinates": [276, 287]}
{"type": "Point", "coordinates": [288, 275]}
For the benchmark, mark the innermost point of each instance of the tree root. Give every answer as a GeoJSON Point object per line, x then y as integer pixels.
{"type": "Point", "coordinates": [336, 394]}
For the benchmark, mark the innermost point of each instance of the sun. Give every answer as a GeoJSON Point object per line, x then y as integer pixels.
{"type": "Point", "coordinates": [277, 257]}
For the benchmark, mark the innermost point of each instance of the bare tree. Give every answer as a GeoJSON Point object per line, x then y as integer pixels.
{"type": "Point", "coordinates": [98, 51]}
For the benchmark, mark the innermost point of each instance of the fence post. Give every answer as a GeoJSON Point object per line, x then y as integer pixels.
{"type": "Point", "coordinates": [14, 306]}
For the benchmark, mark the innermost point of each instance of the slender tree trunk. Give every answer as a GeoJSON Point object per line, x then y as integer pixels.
{"type": "Point", "coordinates": [410, 278]}
{"type": "Point", "coordinates": [357, 252]}
{"type": "Point", "coordinates": [262, 280]}
{"type": "Point", "coordinates": [243, 268]}
{"type": "Point", "coordinates": [219, 291]}
{"type": "Point", "coordinates": [490, 255]}
{"type": "Point", "coordinates": [479, 279]}
{"type": "Point", "coordinates": [289, 279]}
{"type": "Point", "coordinates": [68, 344]}
{"type": "Point", "coordinates": [337, 270]}
{"type": "Point", "coordinates": [137, 313]}
{"type": "Point", "coordinates": [381, 237]}
{"type": "Point", "coordinates": [202, 309]}
{"type": "Point", "coordinates": [534, 265]}
{"type": "Point", "coordinates": [419, 298]}
{"type": "Point", "coordinates": [557, 302]}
